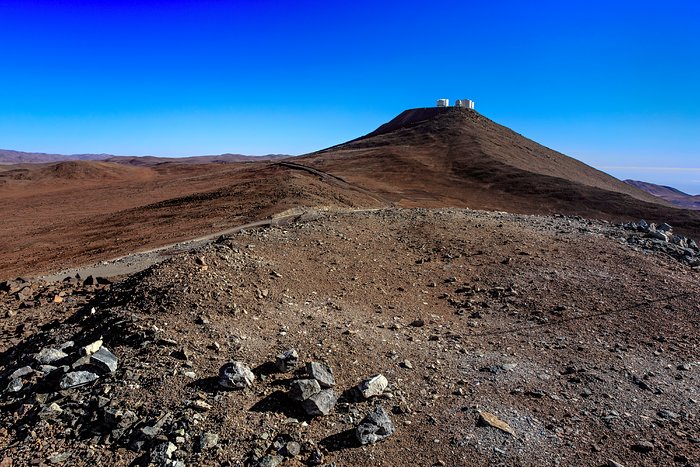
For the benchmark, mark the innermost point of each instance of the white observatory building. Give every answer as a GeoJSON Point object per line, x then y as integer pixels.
{"type": "Point", "coordinates": [465, 103]}
{"type": "Point", "coordinates": [462, 103]}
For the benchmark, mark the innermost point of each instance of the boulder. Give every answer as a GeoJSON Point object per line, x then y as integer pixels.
{"type": "Point", "coordinates": [104, 360]}
{"type": "Point", "coordinates": [376, 426]}
{"type": "Point", "coordinates": [235, 375]}
{"type": "Point", "coordinates": [373, 386]}
{"type": "Point", "coordinates": [48, 355]}
{"type": "Point", "coordinates": [320, 403]}
{"type": "Point", "coordinates": [321, 373]}
{"type": "Point", "coordinates": [302, 389]}
{"type": "Point", "coordinates": [287, 361]}
{"type": "Point", "coordinates": [77, 378]}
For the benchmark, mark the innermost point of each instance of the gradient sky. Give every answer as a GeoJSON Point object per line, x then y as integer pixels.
{"type": "Point", "coordinates": [613, 83]}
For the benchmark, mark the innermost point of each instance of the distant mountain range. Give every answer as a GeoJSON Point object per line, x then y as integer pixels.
{"type": "Point", "coordinates": [18, 157]}
{"type": "Point", "coordinates": [669, 194]}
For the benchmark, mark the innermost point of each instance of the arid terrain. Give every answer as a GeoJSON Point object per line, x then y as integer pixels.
{"type": "Point", "coordinates": [670, 194]}
{"type": "Point", "coordinates": [518, 308]}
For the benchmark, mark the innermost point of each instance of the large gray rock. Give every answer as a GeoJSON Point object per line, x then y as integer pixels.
{"type": "Point", "coordinates": [49, 355]}
{"type": "Point", "coordinates": [235, 375]}
{"type": "Point", "coordinates": [321, 373]}
{"type": "Point", "coordinates": [376, 426]}
{"type": "Point", "coordinates": [657, 235]}
{"type": "Point", "coordinates": [320, 403]}
{"type": "Point", "coordinates": [302, 389]}
{"type": "Point", "coordinates": [373, 386]}
{"type": "Point", "coordinates": [287, 361]}
{"type": "Point", "coordinates": [104, 360]}
{"type": "Point", "coordinates": [664, 227]}
{"type": "Point", "coordinates": [77, 378]}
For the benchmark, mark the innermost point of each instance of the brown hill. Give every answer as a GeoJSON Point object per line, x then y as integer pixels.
{"type": "Point", "coordinates": [669, 194]}
{"type": "Point", "coordinates": [457, 157]}
{"type": "Point", "coordinates": [8, 156]}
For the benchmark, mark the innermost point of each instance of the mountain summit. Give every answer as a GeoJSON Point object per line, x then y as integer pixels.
{"type": "Point", "coordinates": [457, 157]}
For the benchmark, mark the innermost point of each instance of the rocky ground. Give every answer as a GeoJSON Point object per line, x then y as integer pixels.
{"type": "Point", "coordinates": [500, 339]}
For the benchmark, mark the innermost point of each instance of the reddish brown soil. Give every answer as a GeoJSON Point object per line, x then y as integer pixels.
{"type": "Point", "coordinates": [599, 343]}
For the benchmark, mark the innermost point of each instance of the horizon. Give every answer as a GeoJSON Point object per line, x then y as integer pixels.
{"type": "Point", "coordinates": [186, 78]}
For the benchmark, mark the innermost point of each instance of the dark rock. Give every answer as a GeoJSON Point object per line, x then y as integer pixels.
{"type": "Point", "coordinates": [104, 360]}
{"type": "Point", "coordinates": [287, 361]}
{"type": "Point", "coordinates": [321, 373]}
{"type": "Point", "coordinates": [302, 389]}
{"type": "Point", "coordinates": [20, 372]}
{"type": "Point", "coordinates": [643, 447]}
{"type": "Point", "coordinates": [320, 403]}
{"type": "Point", "coordinates": [376, 426]}
{"type": "Point", "coordinates": [77, 378]}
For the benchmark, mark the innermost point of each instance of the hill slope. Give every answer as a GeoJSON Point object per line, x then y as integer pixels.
{"type": "Point", "coordinates": [669, 194]}
{"type": "Point", "coordinates": [455, 157]}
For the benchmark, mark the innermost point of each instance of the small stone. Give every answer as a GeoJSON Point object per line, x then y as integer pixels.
{"type": "Point", "coordinates": [208, 440]}
{"type": "Point", "coordinates": [407, 364]}
{"type": "Point", "coordinates": [287, 361]}
{"type": "Point", "coordinates": [77, 378]}
{"type": "Point", "coordinates": [162, 453]}
{"type": "Point", "coordinates": [292, 449]}
{"type": "Point", "coordinates": [643, 447]}
{"type": "Point", "coordinates": [489, 419]}
{"type": "Point", "coordinates": [418, 323]}
{"type": "Point", "coordinates": [376, 426]}
{"type": "Point", "coordinates": [49, 355]}
{"type": "Point", "coordinates": [59, 458]}
{"type": "Point", "coordinates": [51, 411]}
{"type": "Point", "coordinates": [15, 385]}
{"type": "Point", "coordinates": [302, 389]}
{"type": "Point", "coordinates": [373, 386]}
{"type": "Point", "coordinates": [320, 403]}
{"type": "Point", "coordinates": [321, 373]}
{"type": "Point", "coordinates": [235, 375]}
{"type": "Point", "coordinates": [91, 348]}
{"type": "Point", "coordinates": [104, 360]}
{"type": "Point", "coordinates": [24, 371]}
{"type": "Point", "coordinates": [685, 367]}
{"type": "Point", "coordinates": [200, 405]}
{"type": "Point", "coordinates": [612, 463]}
{"type": "Point", "coordinates": [270, 461]}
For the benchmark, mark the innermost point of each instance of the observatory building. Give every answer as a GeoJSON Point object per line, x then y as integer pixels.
{"type": "Point", "coordinates": [462, 103]}
{"type": "Point", "coordinates": [465, 103]}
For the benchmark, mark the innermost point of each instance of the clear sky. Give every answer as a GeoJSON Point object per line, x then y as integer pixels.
{"type": "Point", "coordinates": [613, 83]}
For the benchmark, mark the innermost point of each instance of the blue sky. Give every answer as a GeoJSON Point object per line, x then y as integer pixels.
{"type": "Point", "coordinates": [612, 83]}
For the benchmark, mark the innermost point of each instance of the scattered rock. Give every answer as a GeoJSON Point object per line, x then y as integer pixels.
{"type": "Point", "coordinates": [104, 360]}
{"type": "Point", "coordinates": [77, 378]}
{"type": "Point", "coordinates": [208, 440]}
{"type": "Point", "coordinates": [320, 403]}
{"type": "Point", "coordinates": [20, 372]}
{"type": "Point", "coordinates": [51, 411]}
{"type": "Point", "coordinates": [302, 389]}
{"type": "Point", "coordinates": [489, 419]}
{"type": "Point", "coordinates": [643, 447]}
{"type": "Point", "coordinates": [375, 427]}
{"type": "Point", "coordinates": [235, 375]}
{"type": "Point", "coordinates": [287, 361]}
{"type": "Point", "coordinates": [321, 373]}
{"type": "Point", "coordinates": [49, 355]}
{"type": "Point", "coordinates": [270, 461]}
{"type": "Point", "coordinates": [373, 386]}
{"type": "Point", "coordinates": [91, 348]}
